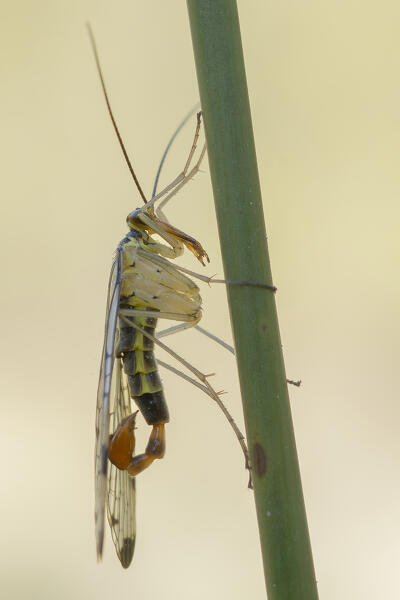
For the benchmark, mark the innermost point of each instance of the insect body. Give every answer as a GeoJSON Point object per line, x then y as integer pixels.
{"type": "Point", "coordinates": [151, 286]}
{"type": "Point", "coordinates": [144, 286]}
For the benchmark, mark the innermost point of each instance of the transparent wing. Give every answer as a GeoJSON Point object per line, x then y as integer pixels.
{"type": "Point", "coordinates": [121, 487]}
{"type": "Point", "coordinates": [103, 400]}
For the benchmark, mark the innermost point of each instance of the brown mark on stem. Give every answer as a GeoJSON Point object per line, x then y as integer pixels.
{"type": "Point", "coordinates": [260, 460]}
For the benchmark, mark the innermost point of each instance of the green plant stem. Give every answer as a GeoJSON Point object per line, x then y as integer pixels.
{"type": "Point", "coordinates": [285, 543]}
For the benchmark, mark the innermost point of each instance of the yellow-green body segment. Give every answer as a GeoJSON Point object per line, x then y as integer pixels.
{"type": "Point", "coordinates": [150, 284]}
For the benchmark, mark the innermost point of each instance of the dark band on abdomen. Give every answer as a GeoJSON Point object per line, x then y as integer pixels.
{"type": "Point", "coordinates": [140, 366]}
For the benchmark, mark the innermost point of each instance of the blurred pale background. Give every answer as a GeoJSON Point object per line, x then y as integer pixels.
{"type": "Point", "coordinates": [325, 94]}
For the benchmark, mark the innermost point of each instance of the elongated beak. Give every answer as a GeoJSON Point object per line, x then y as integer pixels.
{"type": "Point", "coordinates": [190, 243]}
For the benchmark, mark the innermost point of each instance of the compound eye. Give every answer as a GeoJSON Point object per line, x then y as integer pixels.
{"type": "Point", "coordinates": [133, 214]}
{"type": "Point", "coordinates": [133, 217]}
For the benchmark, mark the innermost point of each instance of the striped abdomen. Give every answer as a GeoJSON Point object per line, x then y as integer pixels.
{"type": "Point", "coordinates": [140, 366]}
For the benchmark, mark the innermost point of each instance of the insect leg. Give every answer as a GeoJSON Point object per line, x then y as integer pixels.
{"type": "Point", "coordinates": [243, 282]}
{"type": "Point", "coordinates": [183, 181]}
{"type": "Point", "coordinates": [191, 320]}
{"type": "Point", "coordinates": [122, 442]}
{"type": "Point", "coordinates": [171, 141]}
{"type": "Point", "coordinates": [223, 344]}
{"type": "Point", "coordinates": [212, 336]}
{"type": "Point", "coordinates": [176, 329]}
{"type": "Point", "coordinates": [183, 174]}
{"type": "Point", "coordinates": [209, 390]}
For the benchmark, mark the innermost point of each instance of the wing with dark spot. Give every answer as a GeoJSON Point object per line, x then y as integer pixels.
{"type": "Point", "coordinates": [104, 393]}
{"type": "Point", "coordinates": [121, 487]}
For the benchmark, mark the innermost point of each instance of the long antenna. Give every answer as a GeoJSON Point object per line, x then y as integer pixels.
{"type": "Point", "coordinates": [121, 143]}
